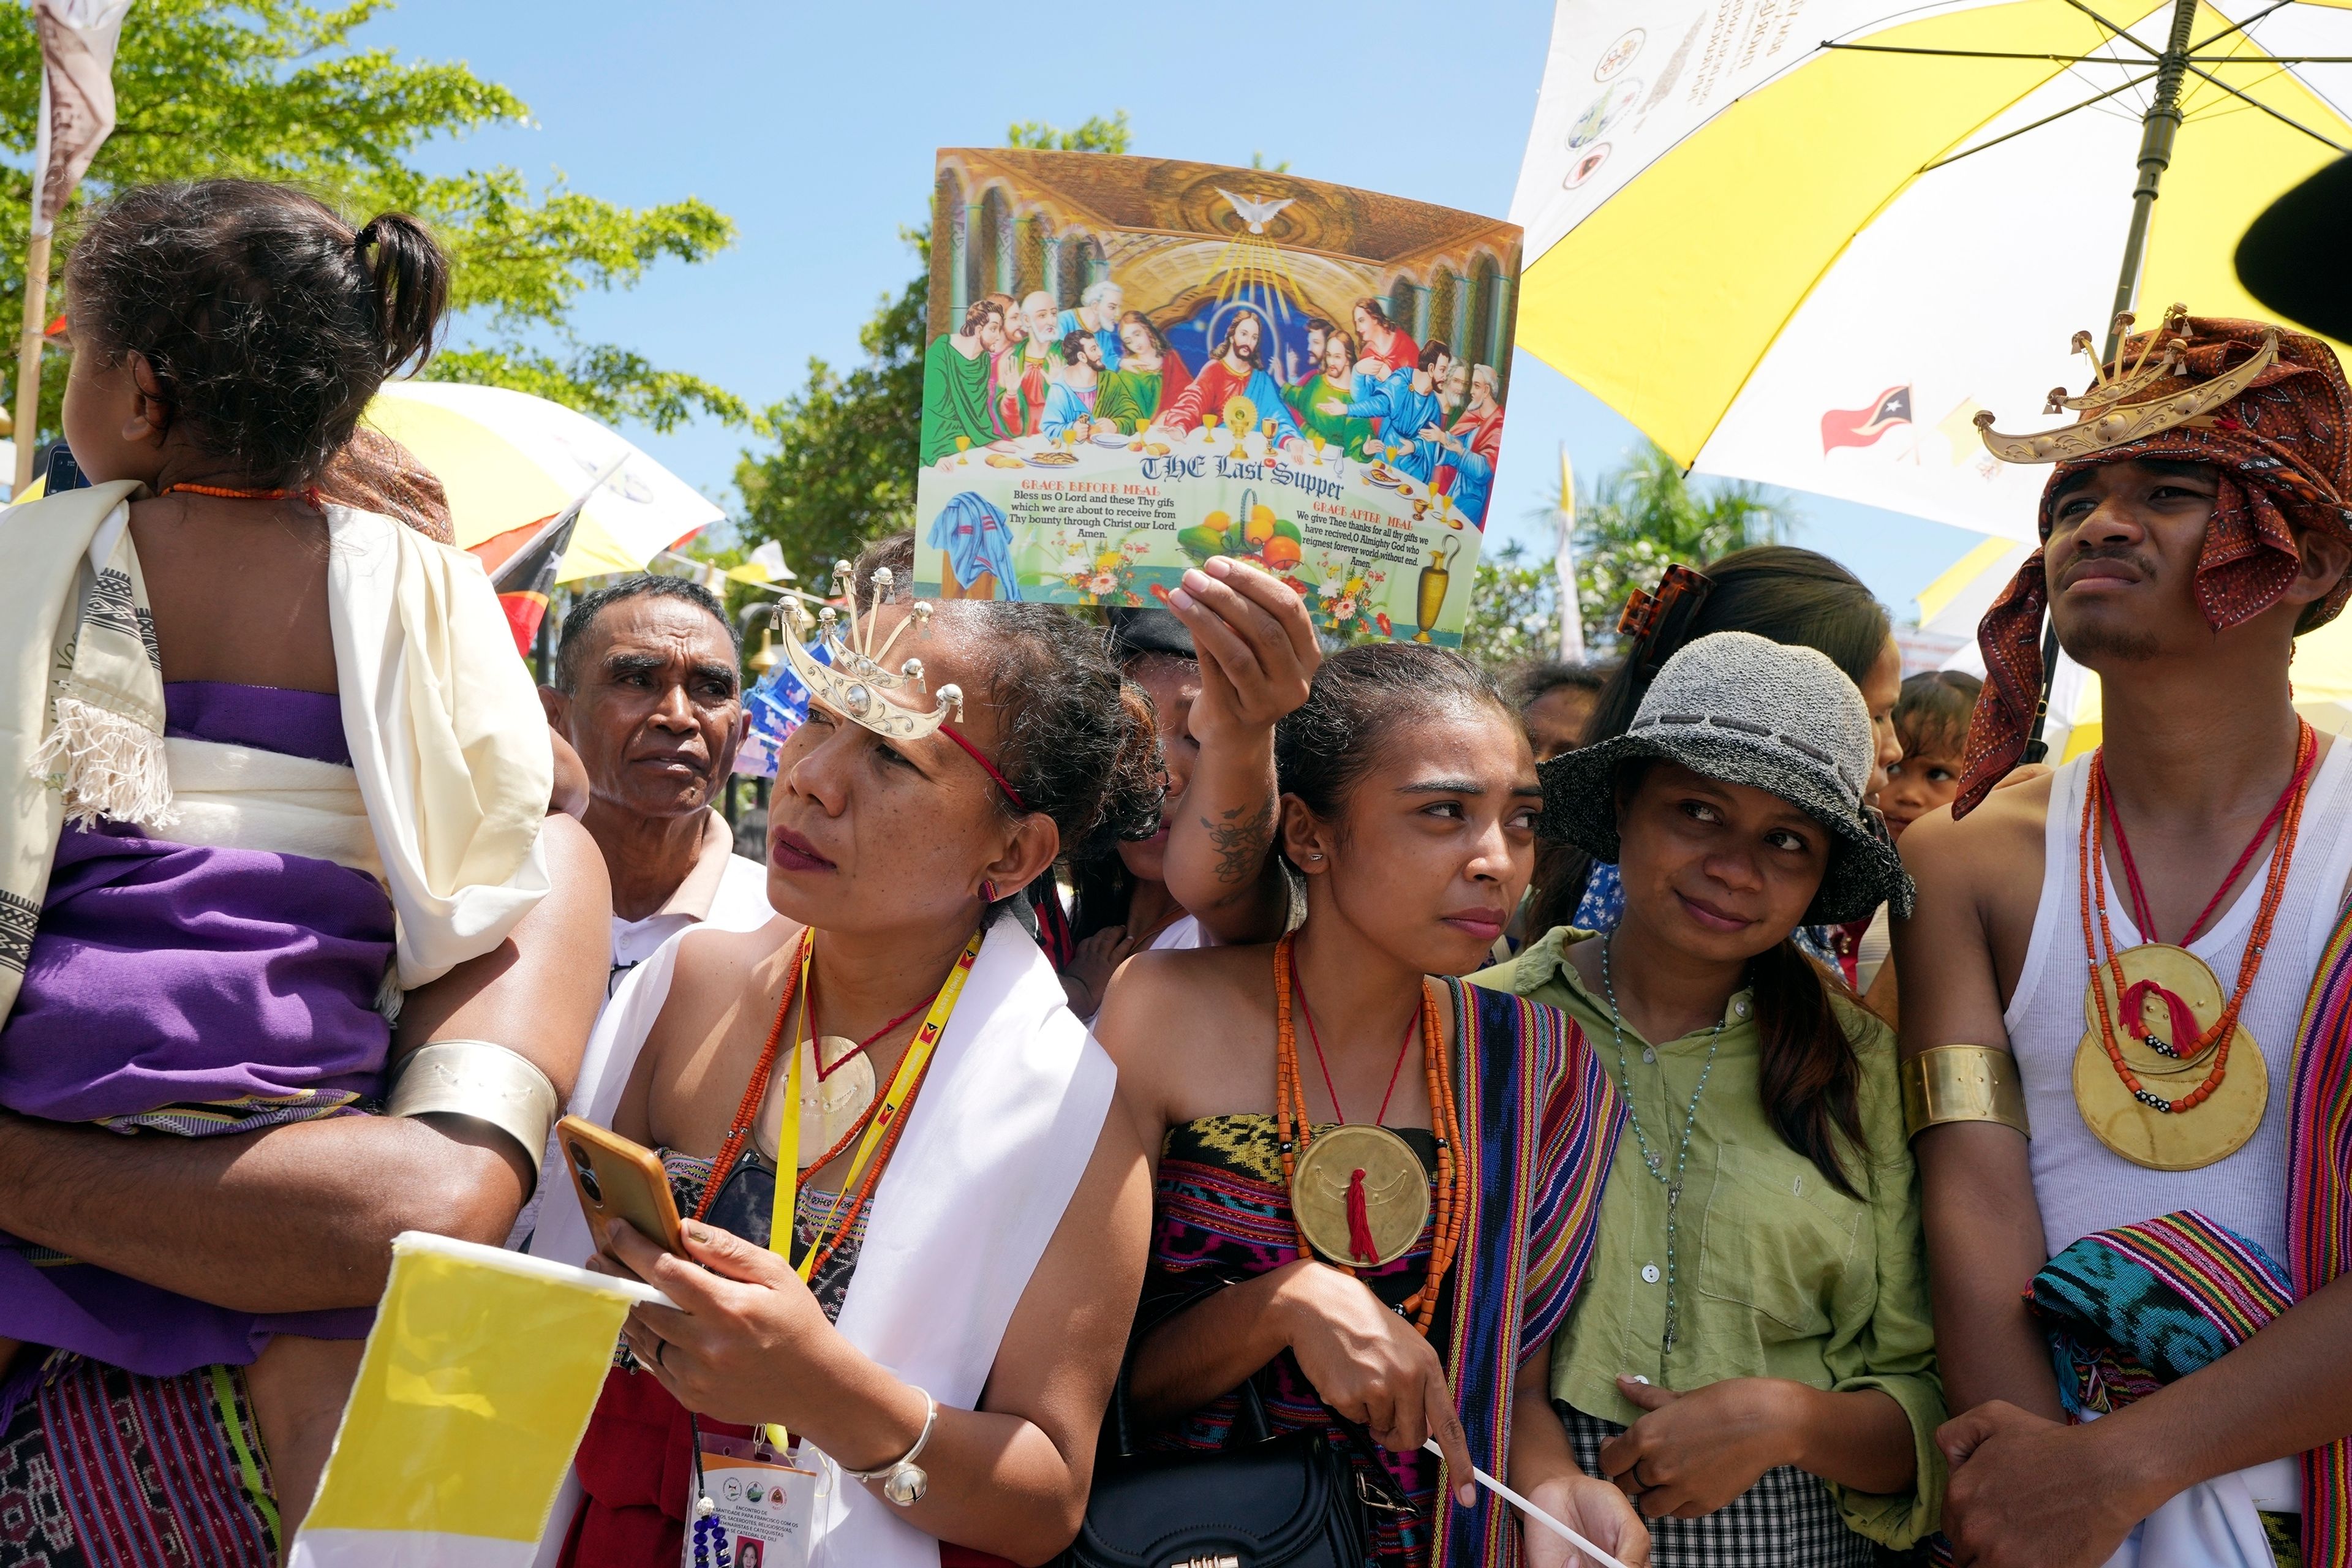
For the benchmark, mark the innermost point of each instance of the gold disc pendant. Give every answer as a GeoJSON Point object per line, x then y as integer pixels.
{"type": "Point", "coordinates": [1360, 1161]}
{"type": "Point", "coordinates": [829, 1107]}
{"type": "Point", "coordinates": [2221, 1124]}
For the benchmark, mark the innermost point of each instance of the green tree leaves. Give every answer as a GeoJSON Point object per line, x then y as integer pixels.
{"type": "Point", "coordinates": [1648, 514]}
{"type": "Point", "coordinates": [273, 89]}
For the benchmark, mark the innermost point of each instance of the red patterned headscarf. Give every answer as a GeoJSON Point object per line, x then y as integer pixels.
{"type": "Point", "coordinates": [2283, 447]}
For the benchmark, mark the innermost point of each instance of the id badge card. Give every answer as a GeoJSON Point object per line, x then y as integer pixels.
{"type": "Point", "coordinates": [765, 1506]}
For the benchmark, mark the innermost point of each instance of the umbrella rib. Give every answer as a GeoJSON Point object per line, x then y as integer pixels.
{"type": "Point", "coordinates": [1971, 152]}
{"type": "Point", "coordinates": [2266, 109]}
{"type": "Point", "coordinates": [2113, 29]}
{"type": "Point", "coordinates": [1981, 54]}
{"type": "Point", "coordinates": [2239, 26]}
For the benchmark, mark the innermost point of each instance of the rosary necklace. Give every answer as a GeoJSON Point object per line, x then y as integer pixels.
{"type": "Point", "coordinates": [1650, 1157]}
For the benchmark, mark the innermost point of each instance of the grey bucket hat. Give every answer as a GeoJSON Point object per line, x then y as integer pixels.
{"type": "Point", "coordinates": [1747, 710]}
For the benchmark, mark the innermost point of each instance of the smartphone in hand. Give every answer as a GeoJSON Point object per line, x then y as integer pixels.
{"type": "Point", "coordinates": [618, 1179]}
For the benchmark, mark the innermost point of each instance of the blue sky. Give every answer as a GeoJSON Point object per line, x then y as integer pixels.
{"type": "Point", "coordinates": [814, 127]}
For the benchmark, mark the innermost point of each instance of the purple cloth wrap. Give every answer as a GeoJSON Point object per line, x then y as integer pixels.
{"type": "Point", "coordinates": [166, 974]}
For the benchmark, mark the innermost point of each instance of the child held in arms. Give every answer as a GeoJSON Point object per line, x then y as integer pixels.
{"type": "Point", "coordinates": [268, 760]}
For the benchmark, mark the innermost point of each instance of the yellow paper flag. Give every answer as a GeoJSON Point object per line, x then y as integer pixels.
{"type": "Point", "coordinates": [475, 1389]}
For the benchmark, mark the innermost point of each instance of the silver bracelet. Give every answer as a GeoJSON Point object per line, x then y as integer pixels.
{"type": "Point", "coordinates": [481, 1080]}
{"type": "Point", "coordinates": [903, 1480]}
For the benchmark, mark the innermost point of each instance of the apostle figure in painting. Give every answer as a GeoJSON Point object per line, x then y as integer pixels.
{"type": "Point", "coordinates": [1150, 374]}
{"type": "Point", "coordinates": [1097, 314]}
{"type": "Point", "coordinates": [1386, 346]}
{"type": "Point", "coordinates": [1297, 370]}
{"type": "Point", "coordinates": [1070, 397]}
{"type": "Point", "coordinates": [957, 370]}
{"type": "Point", "coordinates": [1406, 404]}
{"type": "Point", "coordinates": [1238, 371]}
{"type": "Point", "coordinates": [1471, 444]}
{"type": "Point", "coordinates": [2141, 958]}
{"type": "Point", "coordinates": [1350, 434]}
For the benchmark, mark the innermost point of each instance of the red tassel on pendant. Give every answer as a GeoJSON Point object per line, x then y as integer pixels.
{"type": "Point", "coordinates": [1359, 1222]}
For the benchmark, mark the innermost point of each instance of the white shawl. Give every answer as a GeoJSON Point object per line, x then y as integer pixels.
{"type": "Point", "coordinates": [448, 742]}
{"type": "Point", "coordinates": [1003, 1131]}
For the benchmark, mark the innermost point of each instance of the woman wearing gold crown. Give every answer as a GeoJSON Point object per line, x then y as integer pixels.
{"type": "Point", "coordinates": [1375, 1187]}
{"type": "Point", "coordinates": [892, 1065]}
{"type": "Point", "coordinates": [2132, 1132]}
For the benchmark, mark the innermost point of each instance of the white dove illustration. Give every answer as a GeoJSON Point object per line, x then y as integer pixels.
{"type": "Point", "coordinates": [1258, 214]}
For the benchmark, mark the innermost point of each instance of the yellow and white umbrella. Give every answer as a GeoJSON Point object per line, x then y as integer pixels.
{"type": "Point", "coordinates": [509, 461]}
{"type": "Point", "coordinates": [1806, 242]}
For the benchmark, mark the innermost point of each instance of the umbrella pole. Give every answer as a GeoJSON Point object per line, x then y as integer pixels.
{"type": "Point", "coordinates": [2158, 128]}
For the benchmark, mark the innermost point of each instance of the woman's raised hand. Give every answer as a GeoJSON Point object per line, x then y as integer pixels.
{"type": "Point", "coordinates": [1257, 642]}
{"type": "Point", "coordinates": [742, 1324]}
{"type": "Point", "coordinates": [1370, 1366]}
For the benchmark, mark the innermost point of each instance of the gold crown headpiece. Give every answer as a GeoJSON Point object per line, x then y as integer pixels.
{"type": "Point", "coordinates": [856, 682]}
{"type": "Point", "coordinates": [2110, 416]}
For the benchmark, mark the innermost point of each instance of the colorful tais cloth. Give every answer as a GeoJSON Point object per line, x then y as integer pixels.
{"type": "Point", "coordinates": [2130, 1309]}
{"type": "Point", "coordinates": [1539, 1120]}
{"type": "Point", "coordinates": [103, 1469]}
{"type": "Point", "coordinates": [2284, 453]}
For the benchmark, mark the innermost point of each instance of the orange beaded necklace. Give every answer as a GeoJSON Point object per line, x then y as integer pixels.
{"type": "Point", "coordinates": [1296, 1135]}
{"type": "Point", "coordinates": [2097, 932]}
{"type": "Point", "coordinates": [223, 492]}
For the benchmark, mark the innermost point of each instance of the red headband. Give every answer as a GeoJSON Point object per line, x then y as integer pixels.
{"type": "Point", "coordinates": [986, 766]}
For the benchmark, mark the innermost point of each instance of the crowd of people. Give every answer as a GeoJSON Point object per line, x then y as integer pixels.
{"type": "Point", "coordinates": [1012, 369]}
{"type": "Point", "coordinates": [1780, 1132]}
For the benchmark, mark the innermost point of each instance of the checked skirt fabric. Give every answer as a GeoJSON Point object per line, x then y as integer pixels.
{"type": "Point", "coordinates": [1786, 1519]}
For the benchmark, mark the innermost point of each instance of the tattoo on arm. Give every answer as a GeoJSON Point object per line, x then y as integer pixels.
{"type": "Point", "coordinates": [1241, 845]}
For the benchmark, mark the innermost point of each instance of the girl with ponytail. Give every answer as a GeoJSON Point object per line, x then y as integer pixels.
{"type": "Point", "coordinates": [284, 718]}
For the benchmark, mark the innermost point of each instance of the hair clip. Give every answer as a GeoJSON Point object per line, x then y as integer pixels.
{"type": "Point", "coordinates": [1646, 612]}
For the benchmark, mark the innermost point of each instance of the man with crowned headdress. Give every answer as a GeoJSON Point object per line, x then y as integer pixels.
{"type": "Point", "coordinates": [1238, 371]}
{"type": "Point", "coordinates": [2131, 1131]}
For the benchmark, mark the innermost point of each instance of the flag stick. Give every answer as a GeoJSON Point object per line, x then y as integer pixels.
{"type": "Point", "coordinates": [1572, 614]}
{"type": "Point", "coordinates": [1532, 1512]}
{"type": "Point", "coordinates": [29, 356]}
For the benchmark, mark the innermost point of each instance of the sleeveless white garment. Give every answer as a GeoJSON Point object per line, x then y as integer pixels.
{"type": "Point", "coordinates": [2080, 1183]}
{"type": "Point", "coordinates": [2081, 1186]}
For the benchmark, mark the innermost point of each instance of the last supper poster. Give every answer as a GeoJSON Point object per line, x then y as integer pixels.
{"type": "Point", "coordinates": [1132, 364]}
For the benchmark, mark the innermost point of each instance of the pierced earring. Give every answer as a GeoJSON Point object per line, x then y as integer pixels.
{"type": "Point", "coordinates": [987, 892]}
{"type": "Point", "coordinates": [1315, 856]}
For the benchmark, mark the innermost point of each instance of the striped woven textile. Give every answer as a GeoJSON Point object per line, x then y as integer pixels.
{"type": "Point", "coordinates": [103, 1469]}
{"type": "Point", "coordinates": [2319, 1208]}
{"type": "Point", "coordinates": [1539, 1122]}
{"type": "Point", "coordinates": [1539, 1125]}
{"type": "Point", "coordinates": [2131, 1309]}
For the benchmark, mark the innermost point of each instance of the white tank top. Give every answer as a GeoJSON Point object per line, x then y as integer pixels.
{"type": "Point", "coordinates": [2081, 1184]}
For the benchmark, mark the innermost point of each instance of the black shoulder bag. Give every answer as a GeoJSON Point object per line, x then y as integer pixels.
{"type": "Point", "coordinates": [1291, 1501]}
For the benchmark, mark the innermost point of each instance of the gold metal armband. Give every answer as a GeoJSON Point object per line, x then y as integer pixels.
{"type": "Point", "coordinates": [482, 1080]}
{"type": "Point", "coordinates": [1963, 1083]}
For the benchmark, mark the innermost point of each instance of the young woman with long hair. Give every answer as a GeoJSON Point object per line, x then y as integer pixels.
{"type": "Point", "coordinates": [1374, 1186]}
{"type": "Point", "coordinates": [1752, 1359]}
{"type": "Point", "coordinates": [1777, 592]}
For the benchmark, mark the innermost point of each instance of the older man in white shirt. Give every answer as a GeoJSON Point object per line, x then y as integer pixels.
{"type": "Point", "coordinates": [646, 690]}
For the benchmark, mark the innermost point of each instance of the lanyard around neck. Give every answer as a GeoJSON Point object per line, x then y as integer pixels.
{"type": "Point", "coordinates": [903, 1084]}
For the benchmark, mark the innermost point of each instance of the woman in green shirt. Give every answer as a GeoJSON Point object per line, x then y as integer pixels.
{"type": "Point", "coordinates": [1752, 1357]}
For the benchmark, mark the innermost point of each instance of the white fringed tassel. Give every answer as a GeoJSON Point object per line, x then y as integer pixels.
{"type": "Point", "coordinates": [107, 766]}
{"type": "Point", "coordinates": [389, 996]}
